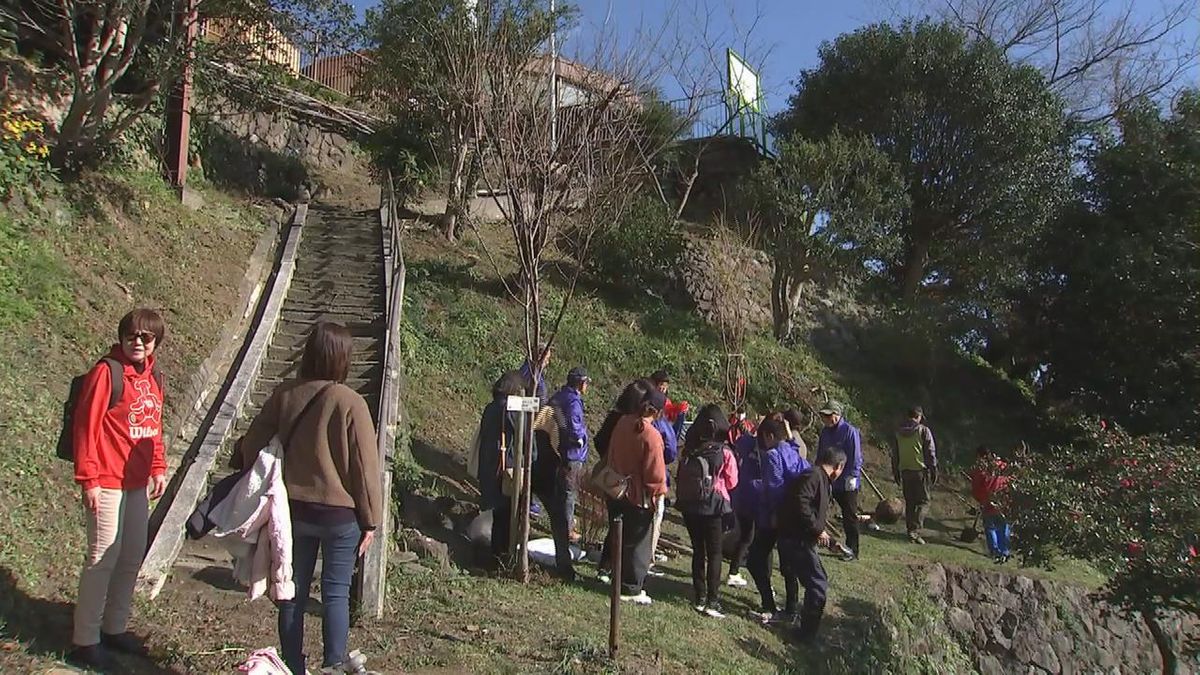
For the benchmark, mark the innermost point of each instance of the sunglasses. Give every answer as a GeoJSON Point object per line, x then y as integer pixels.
{"type": "Point", "coordinates": [145, 336]}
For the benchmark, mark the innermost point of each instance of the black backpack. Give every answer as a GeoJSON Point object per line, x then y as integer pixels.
{"type": "Point", "coordinates": [695, 486]}
{"type": "Point", "coordinates": [66, 442]}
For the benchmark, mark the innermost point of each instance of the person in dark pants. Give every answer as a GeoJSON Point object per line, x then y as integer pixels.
{"type": "Point", "coordinates": [627, 403]}
{"type": "Point", "coordinates": [914, 466]}
{"type": "Point", "coordinates": [838, 433]}
{"type": "Point", "coordinates": [572, 438]}
{"type": "Point", "coordinates": [497, 436]}
{"type": "Point", "coordinates": [707, 472]}
{"type": "Point", "coordinates": [777, 462]}
{"type": "Point", "coordinates": [803, 516]}
{"type": "Point", "coordinates": [743, 501]}
{"type": "Point", "coordinates": [548, 485]}
{"type": "Point", "coordinates": [636, 452]}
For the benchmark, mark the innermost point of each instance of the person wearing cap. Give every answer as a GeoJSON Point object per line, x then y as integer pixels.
{"type": "Point", "coordinates": [839, 433]}
{"type": "Point", "coordinates": [675, 413]}
{"type": "Point", "coordinates": [914, 466]}
{"type": "Point", "coordinates": [572, 436]}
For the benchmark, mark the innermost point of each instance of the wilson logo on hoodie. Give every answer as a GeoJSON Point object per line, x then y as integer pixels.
{"type": "Point", "coordinates": [145, 413]}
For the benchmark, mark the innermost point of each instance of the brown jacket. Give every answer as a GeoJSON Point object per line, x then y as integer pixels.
{"type": "Point", "coordinates": [636, 450]}
{"type": "Point", "coordinates": [331, 458]}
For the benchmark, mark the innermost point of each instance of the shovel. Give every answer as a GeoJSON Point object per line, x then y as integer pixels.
{"type": "Point", "coordinates": [883, 513]}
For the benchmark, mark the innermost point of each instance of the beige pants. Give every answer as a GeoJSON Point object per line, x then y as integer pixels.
{"type": "Point", "coordinates": [660, 507]}
{"type": "Point", "coordinates": [116, 537]}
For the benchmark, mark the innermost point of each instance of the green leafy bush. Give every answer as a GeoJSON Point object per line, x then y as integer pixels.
{"type": "Point", "coordinates": [23, 153]}
{"type": "Point", "coordinates": [642, 248]}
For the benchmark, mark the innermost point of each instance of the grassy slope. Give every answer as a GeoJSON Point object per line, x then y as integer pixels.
{"type": "Point", "coordinates": [460, 334]}
{"type": "Point", "coordinates": [68, 270]}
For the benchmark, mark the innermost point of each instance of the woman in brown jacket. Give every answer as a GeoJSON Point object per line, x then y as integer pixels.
{"type": "Point", "coordinates": [332, 474]}
{"type": "Point", "coordinates": [636, 450]}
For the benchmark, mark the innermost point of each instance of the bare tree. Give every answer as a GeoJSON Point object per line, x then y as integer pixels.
{"type": "Point", "coordinates": [731, 309]}
{"type": "Point", "coordinates": [142, 45]}
{"type": "Point", "coordinates": [1098, 54]}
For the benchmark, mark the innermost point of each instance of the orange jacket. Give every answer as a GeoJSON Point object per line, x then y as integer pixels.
{"type": "Point", "coordinates": [636, 450]}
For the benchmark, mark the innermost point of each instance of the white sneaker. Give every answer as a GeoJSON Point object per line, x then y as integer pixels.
{"type": "Point", "coordinates": [639, 599]}
{"type": "Point", "coordinates": [737, 581]}
{"type": "Point", "coordinates": [660, 558]}
{"type": "Point", "coordinates": [654, 572]}
{"type": "Point", "coordinates": [604, 579]}
{"type": "Point", "coordinates": [714, 612]}
{"type": "Point", "coordinates": [700, 608]}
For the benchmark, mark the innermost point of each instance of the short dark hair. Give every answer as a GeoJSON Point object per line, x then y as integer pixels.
{"type": "Point", "coordinates": [327, 353]}
{"type": "Point", "coordinates": [142, 319]}
{"type": "Point", "coordinates": [772, 427]}
{"type": "Point", "coordinates": [793, 418]}
{"type": "Point", "coordinates": [831, 456]}
{"type": "Point", "coordinates": [511, 383]}
{"type": "Point", "coordinates": [660, 376]}
{"type": "Point", "coordinates": [710, 425]}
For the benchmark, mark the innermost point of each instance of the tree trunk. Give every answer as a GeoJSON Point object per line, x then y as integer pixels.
{"type": "Point", "coordinates": [456, 197]}
{"type": "Point", "coordinates": [780, 318]}
{"type": "Point", "coordinates": [1166, 647]}
{"type": "Point", "coordinates": [916, 260]}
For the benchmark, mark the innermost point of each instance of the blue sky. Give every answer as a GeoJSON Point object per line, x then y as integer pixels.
{"type": "Point", "coordinates": [789, 32]}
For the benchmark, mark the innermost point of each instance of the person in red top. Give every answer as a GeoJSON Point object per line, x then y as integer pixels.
{"type": "Point", "coordinates": [987, 481]}
{"type": "Point", "coordinates": [120, 466]}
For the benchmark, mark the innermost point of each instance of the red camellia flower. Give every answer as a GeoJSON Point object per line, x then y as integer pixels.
{"type": "Point", "coordinates": [1134, 547]}
{"type": "Point", "coordinates": [1126, 483]}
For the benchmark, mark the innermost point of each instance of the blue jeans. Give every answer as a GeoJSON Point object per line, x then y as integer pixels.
{"type": "Point", "coordinates": [998, 531]}
{"type": "Point", "coordinates": [338, 545]}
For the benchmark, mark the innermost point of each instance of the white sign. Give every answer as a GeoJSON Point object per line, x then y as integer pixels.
{"type": "Point", "coordinates": [527, 404]}
{"type": "Point", "coordinates": [743, 83]}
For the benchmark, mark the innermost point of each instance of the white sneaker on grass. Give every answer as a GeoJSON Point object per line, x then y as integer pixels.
{"type": "Point", "coordinates": [699, 608]}
{"type": "Point", "coordinates": [660, 558]}
{"type": "Point", "coordinates": [737, 581]}
{"type": "Point", "coordinates": [639, 599]}
{"type": "Point", "coordinates": [714, 611]}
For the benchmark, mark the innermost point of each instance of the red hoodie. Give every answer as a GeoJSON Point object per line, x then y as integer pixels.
{"type": "Point", "coordinates": [121, 448]}
{"type": "Point", "coordinates": [986, 482]}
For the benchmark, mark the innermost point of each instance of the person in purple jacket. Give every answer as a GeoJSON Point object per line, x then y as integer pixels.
{"type": "Point", "coordinates": [572, 437]}
{"type": "Point", "coordinates": [778, 461]}
{"type": "Point", "coordinates": [838, 433]}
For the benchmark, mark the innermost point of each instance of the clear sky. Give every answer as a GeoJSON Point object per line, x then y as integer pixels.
{"type": "Point", "coordinates": [787, 32]}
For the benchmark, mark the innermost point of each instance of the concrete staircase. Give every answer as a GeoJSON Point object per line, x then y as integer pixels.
{"type": "Point", "coordinates": [339, 277]}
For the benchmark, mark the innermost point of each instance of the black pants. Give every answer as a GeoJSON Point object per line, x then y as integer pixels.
{"type": "Point", "coordinates": [554, 499]}
{"type": "Point", "coordinates": [802, 557]}
{"type": "Point", "coordinates": [705, 533]}
{"type": "Point", "coordinates": [635, 546]}
{"type": "Point", "coordinates": [848, 500]}
{"type": "Point", "coordinates": [759, 564]}
{"type": "Point", "coordinates": [745, 525]}
{"type": "Point", "coordinates": [916, 499]}
{"type": "Point", "coordinates": [613, 509]}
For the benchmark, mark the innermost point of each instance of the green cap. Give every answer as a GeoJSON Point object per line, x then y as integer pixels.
{"type": "Point", "coordinates": [832, 407]}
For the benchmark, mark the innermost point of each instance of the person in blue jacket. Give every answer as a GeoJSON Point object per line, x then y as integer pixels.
{"type": "Point", "coordinates": [670, 454]}
{"type": "Point", "coordinates": [777, 460]}
{"type": "Point", "coordinates": [743, 501]}
{"type": "Point", "coordinates": [572, 437]}
{"type": "Point", "coordinates": [539, 387]}
{"type": "Point", "coordinates": [838, 433]}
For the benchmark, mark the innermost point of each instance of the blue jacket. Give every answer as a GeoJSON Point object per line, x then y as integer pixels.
{"type": "Point", "coordinates": [540, 385]}
{"type": "Point", "coordinates": [846, 437]}
{"type": "Point", "coordinates": [573, 434]}
{"type": "Point", "coordinates": [793, 463]}
{"type": "Point", "coordinates": [742, 497]}
{"type": "Point", "coordinates": [670, 443]}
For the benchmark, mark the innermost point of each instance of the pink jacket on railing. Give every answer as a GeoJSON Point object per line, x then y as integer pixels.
{"type": "Point", "coordinates": [254, 523]}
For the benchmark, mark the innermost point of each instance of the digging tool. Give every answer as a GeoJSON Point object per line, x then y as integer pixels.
{"type": "Point", "coordinates": [887, 511]}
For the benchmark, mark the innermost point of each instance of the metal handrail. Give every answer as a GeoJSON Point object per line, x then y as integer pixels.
{"type": "Point", "coordinates": [394, 277]}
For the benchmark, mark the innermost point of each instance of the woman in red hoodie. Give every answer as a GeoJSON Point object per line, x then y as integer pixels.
{"type": "Point", "coordinates": [119, 465]}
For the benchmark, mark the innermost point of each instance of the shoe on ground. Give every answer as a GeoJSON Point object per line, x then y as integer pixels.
{"type": "Point", "coordinates": [775, 618]}
{"type": "Point", "coordinates": [604, 578]}
{"type": "Point", "coordinates": [846, 554]}
{"type": "Point", "coordinates": [654, 572]}
{"type": "Point", "coordinates": [639, 599]}
{"type": "Point", "coordinates": [660, 558]}
{"type": "Point", "coordinates": [737, 581]}
{"type": "Point", "coordinates": [700, 608]}
{"type": "Point", "coordinates": [714, 611]}
{"type": "Point", "coordinates": [916, 538]}
{"type": "Point", "coordinates": [873, 526]}
{"type": "Point", "coordinates": [125, 643]}
{"type": "Point", "coordinates": [92, 657]}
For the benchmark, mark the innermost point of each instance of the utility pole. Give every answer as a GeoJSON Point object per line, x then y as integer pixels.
{"type": "Point", "coordinates": [179, 101]}
{"type": "Point", "coordinates": [553, 82]}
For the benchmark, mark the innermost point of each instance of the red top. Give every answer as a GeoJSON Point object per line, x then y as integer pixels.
{"type": "Point", "coordinates": [673, 410]}
{"type": "Point", "coordinates": [121, 448]}
{"type": "Point", "coordinates": [986, 482]}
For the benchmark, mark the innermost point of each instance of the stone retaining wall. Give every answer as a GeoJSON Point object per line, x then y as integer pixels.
{"type": "Point", "coordinates": [1015, 624]}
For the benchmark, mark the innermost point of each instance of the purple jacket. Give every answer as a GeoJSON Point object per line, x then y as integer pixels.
{"type": "Point", "coordinates": [670, 443]}
{"type": "Point", "coordinates": [573, 435]}
{"type": "Point", "coordinates": [845, 436]}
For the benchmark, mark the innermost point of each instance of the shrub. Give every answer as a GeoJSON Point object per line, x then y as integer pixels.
{"type": "Point", "coordinates": [643, 248]}
{"type": "Point", "coordinates": [23, 153]}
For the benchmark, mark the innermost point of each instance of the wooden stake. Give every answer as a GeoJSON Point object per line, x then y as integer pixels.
{"type": "Point", "coordinates": [614, 598]}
